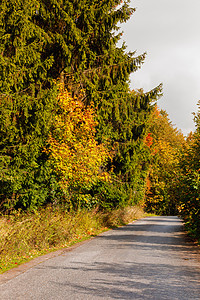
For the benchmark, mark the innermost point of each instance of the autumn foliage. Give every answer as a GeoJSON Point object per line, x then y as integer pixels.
{"type": "Point", "coordinates": [74, 151]}
{"type": "Point", "coordinates": [166, 144]}
{"type": "Point", "coordinates": [189, 183]}
{"type": "Point", "coordinates": [148, 140]}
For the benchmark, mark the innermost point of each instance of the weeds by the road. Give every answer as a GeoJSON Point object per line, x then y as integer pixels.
{"type": "Point", "coordinates": [24, 236]}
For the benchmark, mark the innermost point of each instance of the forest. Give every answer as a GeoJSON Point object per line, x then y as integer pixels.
{"type": "Point", "coordinates": [72, 133]}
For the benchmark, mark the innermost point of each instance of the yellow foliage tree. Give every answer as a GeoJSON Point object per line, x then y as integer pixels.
{"type": "Point", "coordinates": [167, 145]}
{"type": "Point", "coordinates": [74, 151]}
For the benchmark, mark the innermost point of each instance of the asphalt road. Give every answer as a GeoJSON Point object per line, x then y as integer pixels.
{"type": "Point", "coordinates": [149, 259]}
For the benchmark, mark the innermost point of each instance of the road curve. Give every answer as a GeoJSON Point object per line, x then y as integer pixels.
{"type": "Point", "coordinates": [148, 259]}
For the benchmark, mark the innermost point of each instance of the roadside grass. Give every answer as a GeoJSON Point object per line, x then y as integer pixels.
{"type": "Point", "coordinates": [24, 236]}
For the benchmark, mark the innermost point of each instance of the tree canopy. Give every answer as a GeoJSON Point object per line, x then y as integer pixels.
{"type": "Point", "coordinates": [44, 43]}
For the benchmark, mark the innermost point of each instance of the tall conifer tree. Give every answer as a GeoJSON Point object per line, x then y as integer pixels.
{"type": "Point", "coordinates": [25, 106]}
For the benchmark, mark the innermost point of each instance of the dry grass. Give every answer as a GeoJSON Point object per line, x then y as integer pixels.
{"type": "Point", "coordinates": [24, 236]}
{"type": "Point", "coordinates": [122, 216]}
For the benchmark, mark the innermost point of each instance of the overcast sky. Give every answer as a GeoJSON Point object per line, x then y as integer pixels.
{"type": "Point", "coordinates": [169, 31]}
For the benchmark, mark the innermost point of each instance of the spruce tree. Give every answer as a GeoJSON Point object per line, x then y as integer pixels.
{"type": "Point", "coordinates": [25, 107]}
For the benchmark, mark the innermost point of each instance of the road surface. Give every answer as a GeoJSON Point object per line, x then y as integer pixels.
{"type": "Point", "coordinates": [148, 259]}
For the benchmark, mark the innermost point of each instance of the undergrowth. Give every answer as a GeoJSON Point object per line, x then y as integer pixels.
{"type": "Point", "coordinates": [24, 236]}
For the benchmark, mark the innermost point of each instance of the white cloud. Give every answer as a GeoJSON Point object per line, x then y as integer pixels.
{"type": "Point", "coordinates": [169, 31]}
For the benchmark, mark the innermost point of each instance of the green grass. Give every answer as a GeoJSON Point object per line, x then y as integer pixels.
{"type": "Point", "coordinates": [24, 236]}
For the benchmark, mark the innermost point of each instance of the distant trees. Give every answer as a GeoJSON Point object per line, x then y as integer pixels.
{"type": "Point", "coordinates": [164, 174]}
{"type": "Point", "coordinates": [189, 187]}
